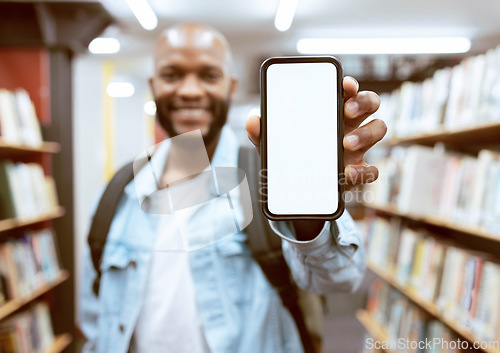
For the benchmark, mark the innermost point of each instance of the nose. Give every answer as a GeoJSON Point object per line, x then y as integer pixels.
{"type": "Point", "coordinates": [190, 87]}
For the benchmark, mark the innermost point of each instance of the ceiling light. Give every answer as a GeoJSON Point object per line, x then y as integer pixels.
{"type": "Point", "coordinates": [144, 13]}
{"type": "Point", "coordinates": [104, 46]}
{"type": "Point", "coordinates": [284, 14]}
{"type": "Point", "coordinates": [150, 108]}
{"type": "Point", "coordinates": [120, 89]}
{"type": "Point", "coordinates": [383, 45]}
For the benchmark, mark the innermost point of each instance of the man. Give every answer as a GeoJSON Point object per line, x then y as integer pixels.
{"type": "Point", "coordinates": [155, 299]}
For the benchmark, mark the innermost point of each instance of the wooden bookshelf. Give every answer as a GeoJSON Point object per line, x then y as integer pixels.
{"type": "Point", "coordinates": [9, 150]}
{"type": "Point", "coordinates": [46, 36]}
{"type": "Point", "coordinates": [374, 329]}
{"type": "Point", "coordinates": [434, 221]}
{"type": "Point", "coordinates": [482, 134]}
{"type": "Point", "coordinates": [13, 223]}
{"type": "Point", "coordinates": [426, 305]}
{"type": "Point", "coordinates": [15, 304]}
{"type": "Point", "coordinates": [60, 343]}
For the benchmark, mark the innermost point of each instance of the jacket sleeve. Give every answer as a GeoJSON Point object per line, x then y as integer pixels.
{"type": "Point", "coordinates": [88, 307]}
{"type": "Point", "coordinates": [88, 302]}
{"type": "Point", "coordinates": [333, 261]}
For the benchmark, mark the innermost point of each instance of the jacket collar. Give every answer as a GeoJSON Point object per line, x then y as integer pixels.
{"type": "Point", "coordinates": [146, 178]}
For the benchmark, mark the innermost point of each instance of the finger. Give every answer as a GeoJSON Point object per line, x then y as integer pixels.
{"type": "Point", "coordinates": [360, 174]}
{"type": "Point", "coordinates": [351, 87]}
{"type": "Point", "coordinates": [359, 107]}
{"type": "Point", "coordinates": [252, 125]}
{"type": "Point", "coordinates": [364, 137]}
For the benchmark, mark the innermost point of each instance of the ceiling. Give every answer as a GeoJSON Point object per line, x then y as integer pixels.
{"type": "Point", "coordinates": [249, 27]}
{"type": "Point", "coordinates": [250, 24]}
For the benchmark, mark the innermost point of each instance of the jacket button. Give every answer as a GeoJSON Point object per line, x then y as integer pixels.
{"type": "Point", "coordinates": [122, 328]}
{"type": "Point", "coordinates": [133, 264]}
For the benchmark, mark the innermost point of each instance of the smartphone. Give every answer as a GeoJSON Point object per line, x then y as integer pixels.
{"type": "Point", "coordinates": [301, 138]}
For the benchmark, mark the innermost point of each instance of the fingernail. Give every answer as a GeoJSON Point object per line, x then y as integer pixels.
{"type": "Point", "coordinates": [353, 140]}
{"type": "Point", "coordinates": [352, 107]}
{"type": "Point", "coordinates": [254, 112]}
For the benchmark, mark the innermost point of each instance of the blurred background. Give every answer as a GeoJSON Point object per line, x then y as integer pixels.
{"type": "Point", "coordinates": [85, 66]}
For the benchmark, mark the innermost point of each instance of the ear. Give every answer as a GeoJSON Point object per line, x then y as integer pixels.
{"type": "Point", "coordinates": [233, 87]}
{"type": "Point", "coordinates": [151, 87]}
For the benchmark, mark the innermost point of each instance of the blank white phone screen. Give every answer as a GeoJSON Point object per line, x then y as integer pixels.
{"type": "Point", "coordinates": [301, 136]}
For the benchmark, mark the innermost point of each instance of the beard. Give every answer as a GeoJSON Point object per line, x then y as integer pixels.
{"type": "Point", "coordinates": [219, 108]}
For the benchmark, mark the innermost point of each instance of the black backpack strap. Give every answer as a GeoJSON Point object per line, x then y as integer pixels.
{"type": "Point", "coordinates": [265, 247]}
{"type": "Point", "coordinates": [104, 215]}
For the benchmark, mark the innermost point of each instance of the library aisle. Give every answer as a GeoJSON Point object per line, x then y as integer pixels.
{"type": "Point", "coordinates": [434, 216]}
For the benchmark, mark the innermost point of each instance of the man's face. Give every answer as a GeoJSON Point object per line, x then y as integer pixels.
{"type": "Point", "coordinates": [192, 86]}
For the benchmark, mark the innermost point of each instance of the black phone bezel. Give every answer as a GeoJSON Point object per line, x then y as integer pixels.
{"type": "Point", "coordinates": [263, 141]}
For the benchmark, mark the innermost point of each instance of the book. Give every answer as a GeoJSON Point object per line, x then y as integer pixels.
{"type": "Point", "coordinates": [31, 134]}
{"type": "Point", "coordinates": [27, 262]}
{"type": "Point", "coordinates": [430, 284]}
{"type": "Point", "coordinates": [485, 160]}
{"type": "Point", "coordinates": [26, 192]}
{"type": "Point", "coordinates": [19, 124]}
{"type": "Point", "coordinates": [406, 324]}
{"type": "Point", "coordinates": [7, 208]}
{"type": "Point", "coordinates": [29, 331]}
{"type": "Point", "coordinates": [463, 284]}
{"type": "Point", "coordinates": [9, 270]}
{"type": "Point", "coordinates": [485, 323]}
{"type": "Point", "coordinates": [421, 186]}
{"type": "Point", "coordinates": [453, 98]}
{"type": "Point", "coordinates": [9, 123]}
{"type": "Point", "coordinates": [425, 182]}
{"type": "Point", "coordinates": [3, 288]}
{"type": "Point", "coordinates": [406, 256]}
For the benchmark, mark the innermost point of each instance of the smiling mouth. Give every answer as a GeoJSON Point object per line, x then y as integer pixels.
{"type": "Point", "coordinates": [195, 114]}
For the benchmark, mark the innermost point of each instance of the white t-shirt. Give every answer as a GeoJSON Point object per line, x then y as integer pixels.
{"type": "Point", "coordinates": [169, 320]}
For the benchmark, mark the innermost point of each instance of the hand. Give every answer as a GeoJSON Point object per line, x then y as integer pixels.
{"type": "Point", "coordinates": [357, 140]}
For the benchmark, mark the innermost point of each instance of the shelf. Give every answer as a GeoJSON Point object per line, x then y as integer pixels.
{"type": "Point", "coordinates": [426, 305]}
{"type": "Point", "coordinates": [15, 304]}
{"type": "Point", "coordinates": [437, 222]}
{"type": "Point", "coordinates": [52, 24]}
{"type": "Point", "coordinates": [60, 343]}
{"type": "Point", "coordinates": [8, 150]}
{"type": "Point", "coordinates": [13, 223]}
{"type": "Point", "coordinates": [374, 329]}
{"type": "Point", "coordinates": [483, 134]}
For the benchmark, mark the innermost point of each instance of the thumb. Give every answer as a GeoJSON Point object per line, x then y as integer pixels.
{"type": "Point", "coordinates": [252, 125]}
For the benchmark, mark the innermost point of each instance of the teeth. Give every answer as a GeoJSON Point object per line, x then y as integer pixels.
{"type": "Point", "coordinates": [192, 112]}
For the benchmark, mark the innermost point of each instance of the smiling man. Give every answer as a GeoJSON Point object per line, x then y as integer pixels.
{"type": "Point", "coordinates": [216, 299]}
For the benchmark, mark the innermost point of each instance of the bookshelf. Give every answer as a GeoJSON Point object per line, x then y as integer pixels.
{"type": "Point", "coordinates": [16, 223]}
{"type": "Point", "coordinates": [427, 306]}
{"type": "Point", "coordinates": [15, 304]}
{"type": "Point", "coordinates": [8, 150]}
{"type": "Point", "coordinates": [38, 41]}
{"type": "Point", "coordinates": [482, 134]}
{"type": "Point", "coordinates": [434, 221]}
{"type": "Point", "coordinates": [374, 329]}
{"type": "Point", "coordinates": [438, 203]}
{"type": "Point", "coordinates": [61, 342]}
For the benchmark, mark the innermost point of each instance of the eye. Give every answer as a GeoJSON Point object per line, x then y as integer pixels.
{"type": "Point", "coordinates": [170, 76]}
{"type": "Point", "coordinates": [211, 76]}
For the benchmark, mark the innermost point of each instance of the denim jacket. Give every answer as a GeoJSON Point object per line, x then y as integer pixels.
{"type": "Point", "coordinates": [240, 311]}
